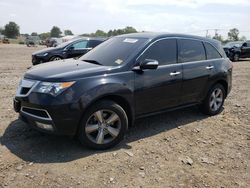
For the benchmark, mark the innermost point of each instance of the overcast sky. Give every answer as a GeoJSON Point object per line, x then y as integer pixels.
{"type": "Point", "coordinates": [82, 16]}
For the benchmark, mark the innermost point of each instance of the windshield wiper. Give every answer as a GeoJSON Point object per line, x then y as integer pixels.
{"type": "Point", "coordinates": [92, 61]}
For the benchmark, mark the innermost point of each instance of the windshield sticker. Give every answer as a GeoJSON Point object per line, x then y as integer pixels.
{"type": "Point", "coordinates": [119, 61]}
{"type": "Point", "coordinates": [129, 40]}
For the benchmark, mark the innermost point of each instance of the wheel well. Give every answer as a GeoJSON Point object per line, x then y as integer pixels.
{"type": "Point", "coordinates": [122, 102]}
{"type": "Point", "coordinates": [224, 84]}
{"type": "Point", "coordinates": [55, 56]}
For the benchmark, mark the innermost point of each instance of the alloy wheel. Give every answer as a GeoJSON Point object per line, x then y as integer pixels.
{"type": "Point", "coordinates": [103, 126]}
{"type": "Point", "coordinates": [216, 99]}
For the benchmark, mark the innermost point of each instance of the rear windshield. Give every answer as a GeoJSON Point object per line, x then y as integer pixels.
{"type": "Point", "coordinates": [115, 51]}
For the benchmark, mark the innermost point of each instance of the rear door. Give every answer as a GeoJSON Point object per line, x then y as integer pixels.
{"type": "Point", "coordinates": [196, 69]}
{"type": "Point", "coordinates": [160, 88]}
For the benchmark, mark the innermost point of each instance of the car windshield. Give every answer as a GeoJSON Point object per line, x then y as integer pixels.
{"type": "Point", "coordinates": [233, 44]}
{"type": "Point", "coordinates": [115, 51]}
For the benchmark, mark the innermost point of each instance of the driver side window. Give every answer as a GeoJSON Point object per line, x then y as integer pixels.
{"type": "Point", "coordinates": [164, 51]}
{"type": "Point", "coordinates": [80, 45]}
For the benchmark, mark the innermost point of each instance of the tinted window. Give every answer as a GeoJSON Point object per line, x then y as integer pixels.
{"type": "Point", "coordinates": [191, 50]}
{"type": "Point", "coordinates": [248, 44]}
{"type": "Point", "coordinates": [80, 45]}
{"type": "Point", "coordinates": [212, 53]}
{"type": "Point", "coordinates": [164, 51]}
{"type": "Point", "coordinates": [93, 43]}
{"type": "Point", "coordinates": [115, 51]}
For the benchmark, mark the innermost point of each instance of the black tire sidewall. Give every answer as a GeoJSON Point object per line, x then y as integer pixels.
{"type": "Point", "coordinates": [109, 105]}
{"type": "Point", "coordinates": [53, 58]}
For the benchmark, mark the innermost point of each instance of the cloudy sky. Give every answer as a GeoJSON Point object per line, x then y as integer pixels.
{"type": "Point", "coordinates": [83, 16]}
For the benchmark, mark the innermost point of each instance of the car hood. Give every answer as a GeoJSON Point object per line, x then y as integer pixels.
{"type": "Point", "coordinates": [46, 50]}
{"type": "Point", "coordinates": [65, 70]}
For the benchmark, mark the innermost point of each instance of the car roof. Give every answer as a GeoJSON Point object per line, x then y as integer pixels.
{"type": "Point", "coordinates": [89, 38]}
{"type": "Point", "coordinates": [156, 35]}
{"type": "Point", "coordinates": [153, 36]}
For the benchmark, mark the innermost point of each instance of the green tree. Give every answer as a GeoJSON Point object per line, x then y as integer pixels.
{"type": "Point", "coordinates": [34, 34]}
{"type": "Point", "coordinates": [100, 33]}
{"type": "Point", "coordinates": [243, 38]}
{"type": "Point", "coordinates": [1, 30]}
{"type": "Point", "coordinates": [11, 30]}
{"type": "Point", "coordinates": [233, 34]}
{"type": "Point", "coordinates": [218, 37]}
{"type": "Point", "coordinates": [68, 32]}
{"type": "Point", "coordinates": [44, 36]}
{"type": "Point", "coordinates": [129, 29]}
{"type": "Point", "coordinates": [55, 31]}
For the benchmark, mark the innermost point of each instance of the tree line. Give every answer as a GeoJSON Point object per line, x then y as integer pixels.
{"type": "Point", "coordinates": [12, 30]}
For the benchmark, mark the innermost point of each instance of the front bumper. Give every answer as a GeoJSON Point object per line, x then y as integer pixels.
{"type": "Point", "coordinates": [57, 119]}
{"type": "Point", "coordinates": [39, 59]}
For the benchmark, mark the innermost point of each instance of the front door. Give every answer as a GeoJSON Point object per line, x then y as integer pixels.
{"type": "Point", "coordinates": [77, 49]}
{"type": "Point", "coordinates": [159, 89]}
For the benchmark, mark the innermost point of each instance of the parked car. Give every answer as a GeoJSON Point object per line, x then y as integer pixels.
{"type": "Point", "coordinates": [70, 49]}
{"type": "Point", "coordinates": [125, 78]}
{"type": "Point", "coordinates": [6, 40]}
{"type": "Point", "coordinates": [32, 40]}
{"type": "Point", "coordinates": [53, 42]}
{"type": "Point", "coordinates": [238, 49]}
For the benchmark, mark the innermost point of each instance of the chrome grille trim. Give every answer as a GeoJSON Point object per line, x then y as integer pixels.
{"type": "Point", "coordinates": [39, 117]}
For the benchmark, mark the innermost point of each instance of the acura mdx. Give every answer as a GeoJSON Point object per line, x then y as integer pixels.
{"type": "Point", "coordinates": [125, 78]}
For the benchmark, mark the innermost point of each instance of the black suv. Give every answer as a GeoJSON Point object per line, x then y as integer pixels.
{"type": "Point", "coordinates": [71, 49]}
{"type": "Point", "coordinates": [238, 49]}
{"type": "Point", "coordinates": [126, 77]}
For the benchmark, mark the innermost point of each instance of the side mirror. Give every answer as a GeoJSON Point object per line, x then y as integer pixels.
{"type": "Point", "coordinates": [149, 64]}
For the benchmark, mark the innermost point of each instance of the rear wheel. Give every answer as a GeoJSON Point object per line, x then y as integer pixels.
{"type": "Point", "coordinates": [103, 125]}
{"type": "Point", "coordinates": [214, 101]}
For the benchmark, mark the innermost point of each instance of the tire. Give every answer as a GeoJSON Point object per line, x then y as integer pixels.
{"type": "Point", "coordinates": [236, 57]}
{"type": "Point", "coordinates": [214, 101]}
{"type": "Point", "coordinates": [96, 135]}
{"type": "Point", "coordinates": [56, 58]}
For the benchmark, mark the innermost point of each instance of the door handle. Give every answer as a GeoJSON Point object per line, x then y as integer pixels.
{"type": "Point", "coordinates": [209, 67]}
{"type": "Point", "coordinates": [174, 73]}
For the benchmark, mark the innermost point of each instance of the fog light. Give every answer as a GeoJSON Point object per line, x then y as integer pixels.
{"type": "Point", "coordinates": [44, 126]}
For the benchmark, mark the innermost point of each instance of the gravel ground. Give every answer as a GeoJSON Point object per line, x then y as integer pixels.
{"type": "Point", "coordinates": [178, 149]}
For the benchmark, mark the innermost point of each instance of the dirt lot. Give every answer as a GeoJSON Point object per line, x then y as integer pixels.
{"type": "Point", "coordinates": [178, 149]}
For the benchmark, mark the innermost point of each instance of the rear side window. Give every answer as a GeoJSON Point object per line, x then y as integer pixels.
{"type": "Point", "coordinates": [212, 53]}
{"type": "Point", "coordinates": [164, 51]}
{"type": "Point", "coordinates": [191, 50]}
{"type": "Point", "coordinates": [93, 43]}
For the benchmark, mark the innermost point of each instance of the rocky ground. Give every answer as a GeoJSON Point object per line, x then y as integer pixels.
{"type": "Point", "coordinates": [177, 149]}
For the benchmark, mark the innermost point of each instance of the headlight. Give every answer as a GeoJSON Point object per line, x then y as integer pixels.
{"type": "Point", "coordinates": [44, 54]}
{"type": "Point", "coordinates": [52, 88]}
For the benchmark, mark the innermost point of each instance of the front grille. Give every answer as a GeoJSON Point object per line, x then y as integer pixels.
{"type": "Point", "coordinates": [24, 90]}
{"type": "Point", "coordinates": [39, 113]}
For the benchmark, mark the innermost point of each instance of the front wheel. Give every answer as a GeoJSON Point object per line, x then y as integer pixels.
{"type": "Point", "coordinates": [214, 101]}
{"type": "Point", "coordinates": [55, 58]}
{"type": "Point", "coordinates": [103, 125]}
